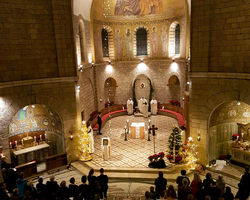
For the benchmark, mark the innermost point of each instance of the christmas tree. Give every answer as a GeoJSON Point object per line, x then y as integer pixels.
{"type": "Point", "coordinates": [174, 142]}
{"type": "Point", "coordinates": [84, 144]}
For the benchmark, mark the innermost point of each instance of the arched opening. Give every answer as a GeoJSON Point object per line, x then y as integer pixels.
{"type": "Point", "coordinates": [174, 39]}
{"type": "Point", "coordinates": [105, 43]}
{"type": "Point", "coordinates": [142, 87]}
{"type": "Point", "coordinates": [35, 126]}
{"type": "Point", "coordinates": [110, 86]}
{"type": "Point", "coordinates": [174, 88]}
{"type": "Point", "coordinates": [141, 42]}
{"type": "Point", "coordinates": [226, 120]}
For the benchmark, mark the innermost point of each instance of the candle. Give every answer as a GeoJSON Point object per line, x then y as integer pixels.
{"type": "Point", "coordinates": [148, 127]}
{"type": "Point", "coordinates": [34, 138]}
{"type": "Point", "coordinates": [127, 120]}
{"type": "Point", "coordinates": [16, 143]}
{"type": "Point", "coordinates": [22, 141]}
{"type": "Point", "coordinates": [242, 134]}
{"type": "Point", "coordinates": [125, 127]}
{"type": "Point", "coordinates": [237, 137]}
{"type": "Point", "coordinates": [41, 138]}
{"type": "Point", "coordinates": [149, 121]}
{"type": "Point", "coordinates": [10, 145]}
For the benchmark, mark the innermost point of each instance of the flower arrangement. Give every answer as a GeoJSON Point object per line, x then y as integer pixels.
{"type": "Point", "coordinates": [93, 114]}
{"type": "Point", "coordinates": [161, 154]}
{"type": "Point", "coordinates": [235, 136]}
{"type": "Point", "coordinates": [109, 103]}
{"type": "Point", "coordinates": [176, 103]}
{"type": "Point", "coordinates": [150, 158]}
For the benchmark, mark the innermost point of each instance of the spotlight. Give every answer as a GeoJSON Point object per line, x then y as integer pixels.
{"type": "Point", "coordinates": [173, 59]}
{"type": "Point", "coordinates": [188, 83]}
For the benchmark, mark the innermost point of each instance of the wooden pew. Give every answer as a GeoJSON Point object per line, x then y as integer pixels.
{"type": "Point", "coordinates": [55, 162]}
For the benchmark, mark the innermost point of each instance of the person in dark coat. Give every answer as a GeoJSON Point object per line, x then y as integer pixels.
{"type": "Point", "coordinates": [99, 121]}
{"type": "Point", "coordinates": [12, 177]}
{"type": "Point", "coordinates": [63, 191]}
{"type": "Point", "coordinates": [245, 181]}
{"type": "Point", "coordinates": [207, 182]}
{"type": "Point", "coordinates": [179, 178]}
{"type": "Point", "coordinates": [228, 195]}
{"type": "Point", "coordinates": [52, 187]}
{"type": "Point", "coordinates": [103, 181]}
{"type": "Point", "coordinates": [3, 193]}
{"type": "Point", "coordinates": [91, 177]}
{"type": "Point", "coordinates": [84, 189]}
{"type": "Point", "coordinates": [214, 191]}
{"type": "Point", "coordinates": [201, 193]}
{"type": "Point", "coordinates": [241, 194]}
{"type": "Point", "coordinates": [160, 184]}
{"type": "Point", "coordinates": [73, 188]}
{"type": "Point", "coordinates": [41, 188]}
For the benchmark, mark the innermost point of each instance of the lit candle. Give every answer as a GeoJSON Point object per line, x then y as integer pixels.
{"type": "Point", "coordinates": [242, 134]}
{"type": "Point", "coordinates": [237, 137]}
{"type": "Point", "coordinates": [34, 138]}
{"type": "Point", "coordinates": [22, 141]}
{"type": "Point", "coordinates": [16, 143]}
{"type": "Point", "coordinates": [149, 121]}
{"type": "Point", "coordinates": [10, 145]}
{"type": "Point", "coordinates": [127, 120]}
{"type": "Point", "coordinates": [41, 138]}
{"type": "Point", "coordinates": [148, 127]}
{"type": "Point", "coordinates": [125, 127]}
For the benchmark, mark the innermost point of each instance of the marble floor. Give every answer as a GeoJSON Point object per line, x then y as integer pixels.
{"type": "Point", "coordinates": [134, 152]}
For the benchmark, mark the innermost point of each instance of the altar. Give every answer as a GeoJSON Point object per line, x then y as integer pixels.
{"type": "Point", "coordinates": [137, 130]}
{"type": "Point", "coordinates": [26, 155]}
{"type": "Point", "coordinates": [239, 155]}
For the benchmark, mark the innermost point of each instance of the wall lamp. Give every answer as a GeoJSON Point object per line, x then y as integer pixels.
{"type": "Point", "coordinates": [199, 135]}
{"type": "Point", "coordinates": [173, 59]}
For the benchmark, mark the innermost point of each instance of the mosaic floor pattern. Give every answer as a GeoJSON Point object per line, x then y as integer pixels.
{"type": "Point", "coordinates": [134, 152]}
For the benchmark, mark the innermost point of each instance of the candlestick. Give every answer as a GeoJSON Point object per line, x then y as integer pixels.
{"type": "Point", "coordinates": [34, 138]}
{"type": "Point", "coordinates": [16, 143]}
{"type": "Point", "coordinates": [125, 134]}
{"type": "Point", "coordinates": [41, 138]}
{"type": "Point", "coordinates": [22, 141]}
{"type": "Point", "coordinates": [10, 145]}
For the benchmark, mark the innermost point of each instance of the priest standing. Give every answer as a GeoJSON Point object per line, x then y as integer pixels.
{"type": "Point", "coordinates": [140, 104]}
{"type": "Point", "coordinates": [130, 105]}
{"type": "Point", "coordinates": [153, 104]}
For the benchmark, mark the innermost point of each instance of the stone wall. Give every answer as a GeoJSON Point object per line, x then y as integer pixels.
{"type": "Point", "coordinates": [59, 96]}
{"type": "Point", "coordinates": [219, 43]}
{"type": "Point", "coordinates": [36, 41]}
{"type": "Point", "coordinates": [125, 73]}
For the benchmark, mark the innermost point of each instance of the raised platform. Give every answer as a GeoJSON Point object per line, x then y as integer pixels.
{"type": "Point", "coordinates": [141, 115]}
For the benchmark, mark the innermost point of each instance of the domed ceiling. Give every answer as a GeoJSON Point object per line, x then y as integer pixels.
{"type": "Point", "coordinates": [35, 118]}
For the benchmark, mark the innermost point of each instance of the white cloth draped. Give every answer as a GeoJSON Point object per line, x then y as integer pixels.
{"type": "Point", "coordinates": [153, 104]}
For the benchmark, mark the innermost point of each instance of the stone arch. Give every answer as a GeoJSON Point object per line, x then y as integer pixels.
{"type": "Point", "coordinates": [172, 39]}
{"type": "Point", "coordinates": [110, 86]}
{"type": "Point", "coordinates": [174, 87]}
{"type": "Point", "coordinates": [111, 42]}
{"type": "Point", "coordinates": [212, 103]}
{"type": "Point", "coordinates": [135, 44]}
{"type": "Point", "coordinates": [141, 88]}
{"type": "Point", "coordinates": [14, 105]}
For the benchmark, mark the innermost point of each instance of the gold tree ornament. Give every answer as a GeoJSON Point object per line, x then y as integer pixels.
{"type": "Point", "coordinates": [84, 144]}
{"type": "Point", "coordinates": [191, 154]}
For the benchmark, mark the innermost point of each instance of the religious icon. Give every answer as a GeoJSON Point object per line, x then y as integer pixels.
{"type": "Point", "coordinates": [105, 142]}
{"type": "Point", "coordinates": [142, 85]}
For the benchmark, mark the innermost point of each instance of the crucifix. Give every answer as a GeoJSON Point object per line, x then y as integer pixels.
{"type": "Point", "coordinates": [153, 129]}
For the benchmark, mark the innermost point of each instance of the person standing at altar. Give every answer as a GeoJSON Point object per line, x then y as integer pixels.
{"type": "Point", "coordinates": [153, 104]}
{"type": "Point", "coordinates": [130, 105]}
{"type": "Point", "coordinates": [99, 121]}
{"type": "Point", "coordinates": [91, 134]}
{"type": "Point", "coordinates": [140, 103]}
{"type": "Point", "coordinates": [145, 109]}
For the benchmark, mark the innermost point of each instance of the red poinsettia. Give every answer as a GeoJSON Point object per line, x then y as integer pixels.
{"type": "Point", "coordinates": [161, 154]}
{"type": "Point", "coordinates": [150, 157]}
{"type": "Point", "coordinates": [155, 156]}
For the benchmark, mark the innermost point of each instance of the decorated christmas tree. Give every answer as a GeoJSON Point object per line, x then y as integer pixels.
{"type": "Point", "coordinates": [174, 142]}
{"type": "Point", "coordinates": [84, 144]}
{"type": "Point", "coordinates": [190, 151]}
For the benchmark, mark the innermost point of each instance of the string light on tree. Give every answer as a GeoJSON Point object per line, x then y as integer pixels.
{"type": "Point", "coordinates": [190, 154]}
{"type": "Point", "coordinates": [175, 143]}
{"type": "Point", "coordinates": [84, 144]}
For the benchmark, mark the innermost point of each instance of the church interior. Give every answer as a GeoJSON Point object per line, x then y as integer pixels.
{"type": "Point", "coordinates": [63, 62]}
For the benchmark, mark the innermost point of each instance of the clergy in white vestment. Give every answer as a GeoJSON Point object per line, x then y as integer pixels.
{"type": "Point", "coordinates": [130, 105]}
{"type": "Point", "coordinates": [145, 109]}
{"type": "Point", "coordinates": [140, 104]}
{"type": "Point", "coordinates": [153, 104]}
{"type": "Point", "coordinates": [91, 134]}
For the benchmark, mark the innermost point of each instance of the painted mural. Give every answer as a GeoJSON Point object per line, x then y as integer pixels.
{"type": "Point", "coordinates": [138, 7]}
{"type": "Point", "coordinates": [35, 118]}
{"type": "Point", "coordinates": [231, 112]}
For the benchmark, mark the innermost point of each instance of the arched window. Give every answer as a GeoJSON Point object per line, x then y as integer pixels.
{"type": "Point", "coordinates": [174, 39]}
{"type": "Point", "coordinates": [141, 42]}
{"type": "Point", "coordinates": [177, 39]}
{"type": "Point", "coordinates": [105, 43]}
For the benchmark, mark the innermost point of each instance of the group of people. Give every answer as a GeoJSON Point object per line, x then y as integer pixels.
{"type": "Point", "coordinates": [208, 189]}
{"type": "Point", "coordinates": [25, 190]}
{"type": "Point", "coordinates": [142, 106]}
